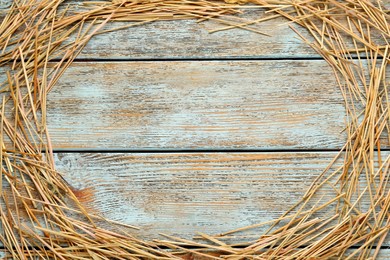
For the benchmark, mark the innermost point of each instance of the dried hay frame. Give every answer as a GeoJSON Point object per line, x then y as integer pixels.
{"type": "Point", "coordinates": [40, 213]}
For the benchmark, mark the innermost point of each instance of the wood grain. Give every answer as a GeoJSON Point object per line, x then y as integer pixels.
{"type": "Point", "coordinates": [197, 105]}
{"type": "Point", "coordinates": [188, 39]}
{"type": "Point", "coordinates": [181, 193]}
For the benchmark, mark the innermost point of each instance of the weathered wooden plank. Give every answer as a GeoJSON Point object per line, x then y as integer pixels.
{"type": "Point", "coordinates": [188, 39]}
{"type": "Point", "coordinates": [192, 105]}
{"type": "Point", "coordinates": [180, 193]}
{"type": "Point", "coordinates": [191, 40]}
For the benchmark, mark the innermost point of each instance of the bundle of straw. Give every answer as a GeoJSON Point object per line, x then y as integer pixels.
{"type": "Point", "coordinates": [41, 214]}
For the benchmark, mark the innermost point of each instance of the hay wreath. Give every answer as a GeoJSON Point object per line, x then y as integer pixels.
{"type": "Point", "coordinates": [40, 213]}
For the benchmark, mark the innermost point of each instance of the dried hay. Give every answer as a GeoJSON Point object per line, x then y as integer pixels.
{"type": "Point", "coordinates": [40, 213]}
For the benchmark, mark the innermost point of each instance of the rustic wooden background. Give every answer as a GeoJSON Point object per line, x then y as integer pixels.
{"type": "Point", "coordinates": [176, 130]}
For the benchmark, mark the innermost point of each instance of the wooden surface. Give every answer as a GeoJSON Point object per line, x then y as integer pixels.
{"type": "Point", "coordinates": [170, 86]}
{"type": "Point", "coordinates": [181, 193]}
{"type": "Point", "coordinates": [197, 105]}
{"type": "Point", "coordinates": [191, 40]}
